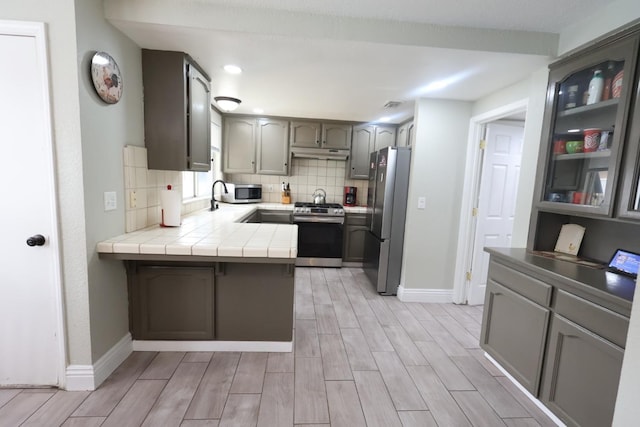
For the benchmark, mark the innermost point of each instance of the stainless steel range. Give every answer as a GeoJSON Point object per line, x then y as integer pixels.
{"type": "Point", "coordinates": [320, 229]}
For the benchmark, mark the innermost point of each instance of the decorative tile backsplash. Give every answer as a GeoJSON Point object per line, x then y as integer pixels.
{"type": "Point", "coordinates": [145, 184]}
{"type": "Point", "coordinates": [306, 176]}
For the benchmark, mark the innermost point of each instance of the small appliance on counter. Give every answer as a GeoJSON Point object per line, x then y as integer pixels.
{"type": "Point", "coordinates": [243, 193]}
{"type": "Point", "coordinates": [350, 196]}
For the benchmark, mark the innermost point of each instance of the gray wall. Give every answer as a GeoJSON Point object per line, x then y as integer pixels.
{"type": "Point", "coordinates": [59, 17]}
{"type": "Point", "coordinates": [106, 129]}
{"type": "Point", "coordinates": [437, 173]}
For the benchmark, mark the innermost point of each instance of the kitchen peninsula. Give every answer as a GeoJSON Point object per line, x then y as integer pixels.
{"type": "Point", "coordinates": [214, 283]}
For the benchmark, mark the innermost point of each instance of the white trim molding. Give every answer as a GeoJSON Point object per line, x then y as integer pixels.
{"type": "Point", "coordinates": [466, 228]}
{"type": "Point", "coordinates": [255, 346]}
{"type": "Point", "coordinates": [526, 392]}
{"type": "Point", "coordinates": [89, 377]}
{"type": "Point", "coordinates": [425, 295]}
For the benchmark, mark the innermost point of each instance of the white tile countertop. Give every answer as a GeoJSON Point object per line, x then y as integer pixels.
{"type": "Point", "coordinates": [219, 233]}
{"type": "Point", "coordinates": [207, 233]}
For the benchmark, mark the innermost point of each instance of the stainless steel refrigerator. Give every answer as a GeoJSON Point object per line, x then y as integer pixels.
{"type": "Point", "coordinates": [386, 213]}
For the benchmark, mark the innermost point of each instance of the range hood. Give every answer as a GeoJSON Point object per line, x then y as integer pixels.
{"type": "Point", "coordinates": [319, 153]}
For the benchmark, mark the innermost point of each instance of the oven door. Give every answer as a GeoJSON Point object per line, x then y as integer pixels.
{"type": "Point", "coordinates": [319, 243]}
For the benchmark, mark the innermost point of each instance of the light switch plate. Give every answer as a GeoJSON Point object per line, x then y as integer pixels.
{"type": "Point", "coordinates": [110, 201]}
{"type": "Point", "coordinates": [422, 202]}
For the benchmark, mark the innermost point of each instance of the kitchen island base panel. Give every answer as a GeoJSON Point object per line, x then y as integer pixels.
{"type": "Point", "coordinates": [196, 301]}
{"type": "Point", "coordinates": [254, 302]}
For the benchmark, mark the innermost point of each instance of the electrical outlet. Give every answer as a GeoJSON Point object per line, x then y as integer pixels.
{"type": "Point", "coordinates": [270, 188]}
{"type": "Point", "coordinates": [110, 201]}
{"type": "Point", "coordinates": [133, 199]}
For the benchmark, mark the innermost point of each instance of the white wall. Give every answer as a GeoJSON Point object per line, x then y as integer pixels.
{"type": "Point", "coordinates": [437, 173]}
{"type": "Point", "coordinates": [59, 17]}
{"type": "Point", "coordinates": [106, 129]}
{"type": "Point", "coordinates": [597, 23]}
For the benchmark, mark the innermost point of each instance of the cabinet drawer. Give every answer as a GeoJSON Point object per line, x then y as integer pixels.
{"type": "Point", "coordinates": [598, 320]}
{"type": "Point", "coordinates": [356, 219]}
{"type": "Point", "coordinates": [529, 287]}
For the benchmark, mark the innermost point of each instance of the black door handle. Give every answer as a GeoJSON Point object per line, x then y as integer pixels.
{"type": "Point", "coordinates": [37, 240]}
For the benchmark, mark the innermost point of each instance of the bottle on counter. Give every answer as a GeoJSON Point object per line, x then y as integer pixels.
{"type": "Point", "coordinates": [596, 85]}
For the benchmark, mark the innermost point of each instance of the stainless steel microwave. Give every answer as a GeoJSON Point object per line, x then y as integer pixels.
{"type": "Point", "coordinates": [243, 193]}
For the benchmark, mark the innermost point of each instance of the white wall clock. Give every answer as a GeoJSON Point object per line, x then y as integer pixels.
{"type": "Point", "coordinates": [106, 77]}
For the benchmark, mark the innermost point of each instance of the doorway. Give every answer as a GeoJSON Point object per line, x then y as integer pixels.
{"type": "Point", "coordinates": [489, 195]}
{"type": "Point", "coordinates": [31, 320]}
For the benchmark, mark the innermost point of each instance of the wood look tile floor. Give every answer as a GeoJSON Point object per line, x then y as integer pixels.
{"type": "Point", "coordinates": [359, 359]}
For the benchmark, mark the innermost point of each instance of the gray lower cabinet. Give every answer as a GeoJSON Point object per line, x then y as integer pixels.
{"type": "Point", "coordinates": [566, 350]}
{"type": "Point", "coordinates": [228, 301]}
{"type": "Point", "coordinates": [514, 333]}
{"type": "Point", "coordinates": [169, 303]}
{"type": "Point", "coordinates": [355, 231]}
{"type": "Point", "coordinates": [581, 376]}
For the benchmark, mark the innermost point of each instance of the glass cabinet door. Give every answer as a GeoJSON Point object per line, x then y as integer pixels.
{"type": "Point", "coordinates": [589, 97]}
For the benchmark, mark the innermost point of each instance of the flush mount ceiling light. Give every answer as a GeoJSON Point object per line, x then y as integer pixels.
{"type": "Point", "coordinates": [227, 103]}
{"type": "Point", "coordinates": [232, 69]}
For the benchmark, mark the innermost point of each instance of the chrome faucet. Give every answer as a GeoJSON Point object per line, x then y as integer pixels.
{"type": "Point", "coordinates": [214, 205]}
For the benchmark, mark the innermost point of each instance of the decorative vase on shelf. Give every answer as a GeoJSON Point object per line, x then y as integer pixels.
{"type": "Point", "coordinates": [596, 85]}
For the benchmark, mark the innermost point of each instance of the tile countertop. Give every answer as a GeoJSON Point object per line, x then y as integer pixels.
{"type": "Point", "coordinates": [218, 233]}
{"type": "Point", "coordinates": [206, 233]}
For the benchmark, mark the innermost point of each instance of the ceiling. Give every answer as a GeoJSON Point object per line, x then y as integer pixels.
{"type": "Point", "coordinates": [345, 59]}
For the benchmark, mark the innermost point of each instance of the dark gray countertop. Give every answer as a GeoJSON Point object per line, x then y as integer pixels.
{"type": "Point", "coordinates": [599, 286]}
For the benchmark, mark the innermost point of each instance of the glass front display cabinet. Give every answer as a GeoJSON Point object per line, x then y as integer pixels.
{"type": "Point", "coordinates": [587, 108]}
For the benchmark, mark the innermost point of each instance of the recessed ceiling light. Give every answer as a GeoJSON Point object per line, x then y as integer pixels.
{"type": "Point", "coordinates": [258, 110]}
{"type": "Point", "coordinates": [232, 69]}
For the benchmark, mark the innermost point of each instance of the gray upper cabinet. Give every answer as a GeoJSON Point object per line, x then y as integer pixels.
{"type": "Point", "coordinates": [404, 137]}
{"type": "Point", "coordinates": [255, 146]}
{"type": "Point", "coordinates": [306, 134]}
{"type": "Point", "coordinates": [273, 147]}
{"type": "Point", "coordinates": [176, 112]}
{"type": "Point", "coordinates": [366, 139]}
{"type": "Point", "coordinates": [320, 135]}
{"type": "Point", "coordinates": [385, 137]}
{"type": "Point", "coordinates": [239, 145]}
{"type": "Point", "coordinates": [336, 136]}
{"type": "Point", "coordinates": [361, 147]}
{"type": "Point", "coordinates": [584, 136]}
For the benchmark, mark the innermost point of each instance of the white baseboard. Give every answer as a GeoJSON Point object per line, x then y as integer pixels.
{"type": "Point", "coordinates": [89, 377]}
{"type": "Point", "coordinates": [526, 392]}
{"type": "Point", "coordinates": [425, 295]}
{"type": "Point", "coordinates": [262, 346]}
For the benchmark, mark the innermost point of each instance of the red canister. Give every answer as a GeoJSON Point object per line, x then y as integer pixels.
{"type": "Point", "coordinates": [559, 146]}
{"type": "Point", "coordinates": [616, 85]}
{"type": "Point", "coordinates": [591, 139]}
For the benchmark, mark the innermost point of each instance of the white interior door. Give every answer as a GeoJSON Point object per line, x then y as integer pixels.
{"type": "Point", "coordinates": [30, 307]}
{"type": "Point", "coordinates": [496, 200]}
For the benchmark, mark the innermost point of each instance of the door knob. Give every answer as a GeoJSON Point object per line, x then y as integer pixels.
{"type": "Point", "coordinates": [37, 240]}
